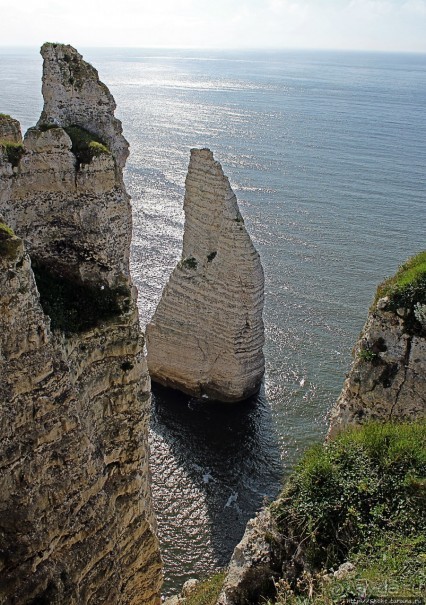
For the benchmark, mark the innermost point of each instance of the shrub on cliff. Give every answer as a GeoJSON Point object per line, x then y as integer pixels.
{"type": "Point", "coordinates": [12, 151]}
{"type": "Point", "coordinates": [85, 145]}
{"type": "Point", "coordinates": [348, 491]}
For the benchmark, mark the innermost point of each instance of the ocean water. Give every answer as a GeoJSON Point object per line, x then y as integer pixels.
{"type": "Point", "coordinates": [326, 152]}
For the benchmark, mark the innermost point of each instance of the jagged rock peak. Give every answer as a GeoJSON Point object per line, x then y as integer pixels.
{"type": "Point", "coordinates": [74, 96]}
{"type": "Point", "coordinates": [387, 380]}
{"type": "Point", "coordinates": [206, 336]}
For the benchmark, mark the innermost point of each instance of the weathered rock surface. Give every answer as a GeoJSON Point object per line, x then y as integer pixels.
{"type": "Point", "coordinates": [76, 519]}
{"type": "Point", "coordinates": [388, 375]}
{"type": "Point", "coordinates": [206, 336]}
{"type": "Point", "coordinates": [254, 564]}
{"type": "Point", "coordinates": [10, 130]}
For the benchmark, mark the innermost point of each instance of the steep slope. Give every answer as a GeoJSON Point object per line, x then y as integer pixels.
{"type": "Point", "coordinates": [387, 380]}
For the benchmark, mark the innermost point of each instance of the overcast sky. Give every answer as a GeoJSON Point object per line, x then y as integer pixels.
{"type": "Point", "coordinates": [388, 25]}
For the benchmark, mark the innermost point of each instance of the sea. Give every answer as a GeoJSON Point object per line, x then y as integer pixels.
{"type": "Point", "coordinates": [326, 152]}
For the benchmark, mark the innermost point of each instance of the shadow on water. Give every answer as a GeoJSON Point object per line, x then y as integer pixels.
{"type": "Point", "coordinates": [213, 465]}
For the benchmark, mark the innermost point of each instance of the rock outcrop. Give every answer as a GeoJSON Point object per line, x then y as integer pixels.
{"type": "Point", "coordinates": [254, 564]}
{"type": "Point", "coordinates": [76, 519]}
{"type": "Point", "coordinates": [387, 380]}
{"type": "Point", "coordinates": [206, 335]}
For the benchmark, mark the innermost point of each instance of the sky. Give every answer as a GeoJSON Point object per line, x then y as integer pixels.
{"type": "Point", "coordinates": [383, 25]}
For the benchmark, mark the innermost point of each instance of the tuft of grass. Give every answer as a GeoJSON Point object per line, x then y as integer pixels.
{"type": "Point", "coordinates": [5, 116]}
{"type": "Point", "coordinates": [9, 243]}
{"type": "Point", "coordinates": [75, 306]}
{"type": "Point", "coordinates": [6, 231]}
{"type": "Point", "coordinates": [85, 145]}
{"type": "Point", "coordinates": [408, 286]}
{"type": "Point", "coordinates": [207, 591]}
{"type": "Point", "coordinates": [189, 263]}
{"type": "Point", "coordinates": [370, 479]}
{"type": "Point", "coordinates": [367, 354]}
{"type": "Point", "coordinates": [391, 566]}
{"type": "Point", "coordinates": [13, 151]}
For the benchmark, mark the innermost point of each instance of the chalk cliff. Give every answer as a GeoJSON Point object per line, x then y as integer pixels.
{"type": "Point", "coordinates": [387, 380]}
{"type": "Point", "coordinates": [76, 519]}
{"type": "Point", "coordinates": [206, 335]}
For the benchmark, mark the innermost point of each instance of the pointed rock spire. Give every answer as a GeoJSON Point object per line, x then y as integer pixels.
{"type": "Point", "coordinates": [74, 96]}
{"type": "Point", "coordinates": [206, 336]}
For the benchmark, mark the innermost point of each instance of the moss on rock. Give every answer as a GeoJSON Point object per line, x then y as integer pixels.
{"type": "Point", "coordinates": [85, 145]}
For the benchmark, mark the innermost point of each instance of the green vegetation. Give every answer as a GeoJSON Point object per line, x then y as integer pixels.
{"type": "Point", "coordinates": [85, 145]}
{"type": "Point", "coordinates": [391, 566]}
{"type": "Point", "coordinates": [211, 256]}
{"type": "Point", "coordinates": [408, 286]}
{"type": "Point", "coordinates": [5, 230]}
{"type": "Point", "coordinates": [75, 306]}
{"type": "Point", "coordinates": [367, 354]}
{"type": "Point", "coordinates": [207, 591]}
{"type": "Point", "coordinates": [189, 263]}
{"type": "Point", "coordinates": [5, 116]}
{"type": "Point", "coordinates": [361, 497]}
{"type": "Point", "coordinates": [8, 242]}
{"type": "Point", "coordinates": [13, 151]}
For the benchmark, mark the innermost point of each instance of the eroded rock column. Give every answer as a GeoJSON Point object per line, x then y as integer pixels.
{"type": "Point", "coordinates": [206, 336]}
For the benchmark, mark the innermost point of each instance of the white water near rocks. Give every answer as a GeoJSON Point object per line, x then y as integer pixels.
{"type": "Point", "coordinates": [327, 155]}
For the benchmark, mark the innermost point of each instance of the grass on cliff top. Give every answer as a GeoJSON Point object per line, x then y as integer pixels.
{"type": "Point", "coordinates": [75, 306]}
{"type": "Point", "coordinates": [5, 116]}
{"type": "Point", "coordinates": [408, 286]}
{"type": "Point", "coordinates": [369, 480]}
{"type": "Point", "coordinates": [85, 145]}
{"type": "Point", "coordinates": [207, 591]}
{"type": "Point", "coordinates": [13, 151]}
{"type": "Point", "coordinates": [362, 498]}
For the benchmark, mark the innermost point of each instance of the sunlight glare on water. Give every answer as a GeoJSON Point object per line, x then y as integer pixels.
{"type": "Point", "coordinates": [327, 155]}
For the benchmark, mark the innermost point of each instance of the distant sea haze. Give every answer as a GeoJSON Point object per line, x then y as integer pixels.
{"type": "Point", "coordinates": [326, 152]}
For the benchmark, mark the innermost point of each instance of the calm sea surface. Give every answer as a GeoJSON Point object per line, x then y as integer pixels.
{"type": "Point", "coordinates": [327, 155]}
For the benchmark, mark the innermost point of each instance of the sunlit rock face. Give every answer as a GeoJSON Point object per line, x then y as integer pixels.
{"type": "Point", "coordinates": [76, 519]}
{"type": "Point", "coordinates": [387, 380]}
{"type": "Point", "coordinates": [206, 336]}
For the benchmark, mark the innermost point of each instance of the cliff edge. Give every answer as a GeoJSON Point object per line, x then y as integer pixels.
{"type": "Point", "coordinates": [76, 518]}
{"type": "Point", "coordinates": [387, 380]}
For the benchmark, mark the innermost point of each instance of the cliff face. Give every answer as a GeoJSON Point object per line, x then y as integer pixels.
{"type": "Point", "coordinates": [206, 335]}
{"type": "Point", "coordinates": [76, 520]}
{"type": "Point", "coordinates": [387, 380]}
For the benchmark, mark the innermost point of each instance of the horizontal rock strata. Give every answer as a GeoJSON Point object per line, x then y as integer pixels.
{"type": "Point", "coordinates": [206, 336]}
{"type": "Point", "coordinates": [76, 519]}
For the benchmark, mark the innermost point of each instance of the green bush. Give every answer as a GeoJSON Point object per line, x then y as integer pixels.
{"type": "Point", "coordinates": [189, 263]}
{"type": "Point", "coordinates": [207, 591]}
{"type": "Point", "coordinates": [13, 151]}
{"type": "Point", "coordinates": [346, 492]}
{"type": "Point", "coordinates": [85, 145]}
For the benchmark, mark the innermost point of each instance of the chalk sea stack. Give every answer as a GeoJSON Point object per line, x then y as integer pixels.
{"type": "Point", "coordinates": [206, 335]}
{"type": "Point", "coordinates": [76, 518]}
